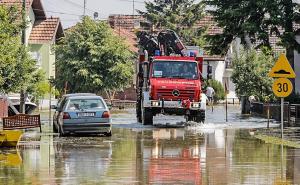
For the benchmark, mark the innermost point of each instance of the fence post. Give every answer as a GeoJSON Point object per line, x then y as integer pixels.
{"type": "Point", "coordinates": [268, 114]}
{"type": "Point", "coordinates": [289, 115]}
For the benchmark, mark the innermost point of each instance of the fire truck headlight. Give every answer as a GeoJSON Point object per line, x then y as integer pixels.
{"type": "Point", "coordinates": [155, 103]}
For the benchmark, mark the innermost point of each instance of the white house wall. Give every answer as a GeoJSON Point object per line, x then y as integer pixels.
{"type": "Point", "coordinates": [217, 69]}
{"type": "Point", "coordinates": [30, 22]}
{"type": "Point", "coordinates": [222, 75]}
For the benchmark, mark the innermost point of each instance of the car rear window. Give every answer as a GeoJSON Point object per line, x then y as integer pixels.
{"type": "Point", "coordinates": [84, 104]}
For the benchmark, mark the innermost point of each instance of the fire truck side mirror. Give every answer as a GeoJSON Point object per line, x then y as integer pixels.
{"type": "Point", "coordinates": [209, 72]}
{"type": "Point", "coordinates": [209, 69]}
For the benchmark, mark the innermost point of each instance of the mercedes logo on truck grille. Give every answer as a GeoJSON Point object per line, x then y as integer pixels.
{"type": "Point", "coordinates": [175, 93]}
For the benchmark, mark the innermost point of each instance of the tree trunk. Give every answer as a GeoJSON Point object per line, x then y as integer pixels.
{"type": "Point", "coordinates": [290, 57]}
{"type": "Point", "coordinates": [288, 28]}
{"type": "Point", "coordinates": [110, 95]}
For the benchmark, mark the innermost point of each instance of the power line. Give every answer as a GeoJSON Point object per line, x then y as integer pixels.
{"type": "Point", "coordinates": [56, 12]}
{"type": "Point", "coordinates": [79, 5]}
{"type": "Point", "coordinates": [84, 7]}
{"type": "Point", "coordinates": [130, 1]}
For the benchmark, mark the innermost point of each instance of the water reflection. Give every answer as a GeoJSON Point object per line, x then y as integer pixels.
{"type": "Point", "coordinates": [152, 156]}
{"type": "Point", "coordinates": [78, 163]}
{"type": "Point", "coordinates": [293, 165]}
{"type": "Point", "coordinates": [173, 159]}
{"type": "Point", "coordinates": [10, 158]}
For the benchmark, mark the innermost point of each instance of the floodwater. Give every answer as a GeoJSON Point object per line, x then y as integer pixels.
{"type": "Point", "coordinates": [216, 152]}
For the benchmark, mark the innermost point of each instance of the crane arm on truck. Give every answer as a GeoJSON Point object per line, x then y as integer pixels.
{"type": "Point", "coordinates": [167, 42]}
{"type": "Point", "coordinates": [170, 42]}
{"type": "Point", "coordinates": [148, 42]}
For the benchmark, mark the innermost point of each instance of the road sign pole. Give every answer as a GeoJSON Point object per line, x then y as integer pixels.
{"type": "Point", "coordinates": [282, 100]}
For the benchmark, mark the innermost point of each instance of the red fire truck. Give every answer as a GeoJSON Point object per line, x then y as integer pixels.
{"type": "Point", "coordinates": [168, 79]}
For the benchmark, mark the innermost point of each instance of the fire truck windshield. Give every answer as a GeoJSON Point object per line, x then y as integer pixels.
{"type": "Point", "coordinates": [175, 69]}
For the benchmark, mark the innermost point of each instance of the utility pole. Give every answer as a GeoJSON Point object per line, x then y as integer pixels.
{"type": "Point", "coordinates": [22, 93]}
{"type": "Point", "coordinates": [119, 17]}
{"type": "Point", "coordinates": [133, 14]}
{"type": "Point", "coordinates": [84, 7]}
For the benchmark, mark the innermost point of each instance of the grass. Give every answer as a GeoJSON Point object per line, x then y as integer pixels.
{"type": "Point", "coordinates": [277, 141]}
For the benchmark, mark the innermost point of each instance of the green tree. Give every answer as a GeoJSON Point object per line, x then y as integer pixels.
{"type": "Point", "coordinates": [178, 15]}
{"type": "Point", "coordinates": [39, 86]}
{"type": "Point", "coordinates": [250, 74]}
{"type": "Point", "coordinates": [91, 58]}
{"type": "Point", "coordinates": [16, 66]}
{"type": "Point", "coordinates": [255, 22]}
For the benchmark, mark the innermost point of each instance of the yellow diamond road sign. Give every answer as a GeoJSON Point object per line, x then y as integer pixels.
{"type": "Point", "coordinates": [282, 68]}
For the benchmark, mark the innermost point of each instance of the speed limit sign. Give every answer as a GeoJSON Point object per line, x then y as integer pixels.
{"type": "Point", "coordinates": [282, 87]}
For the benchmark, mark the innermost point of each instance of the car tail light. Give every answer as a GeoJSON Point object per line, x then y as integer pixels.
{"type": "Point", "coordinates": [105, 114]}
{"type": "Point", "coordinates": [66, 115]}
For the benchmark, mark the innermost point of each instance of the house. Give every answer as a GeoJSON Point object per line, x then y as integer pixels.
{"type": "Point", "coordinates": [44, 35]}
{"type": "Point", "coordinates": [41, 34]}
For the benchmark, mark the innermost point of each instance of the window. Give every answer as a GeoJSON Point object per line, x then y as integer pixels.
{"type": "Point", "coordinates": [85, 104]}
{"type": "Point", "coordinates": [37, 57]}
{"type": "Point", "coordinates": [175, 69]}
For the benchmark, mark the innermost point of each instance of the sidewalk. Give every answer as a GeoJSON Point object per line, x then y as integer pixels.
{"type": "Point", "coordinates": [289, 133]}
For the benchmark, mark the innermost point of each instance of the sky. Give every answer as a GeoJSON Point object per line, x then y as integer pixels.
{"type": "Point", "coordinates": [70, 11]}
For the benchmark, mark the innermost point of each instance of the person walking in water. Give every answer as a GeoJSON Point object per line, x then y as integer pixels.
{"type": "Point", "coordinates": [210, 92]}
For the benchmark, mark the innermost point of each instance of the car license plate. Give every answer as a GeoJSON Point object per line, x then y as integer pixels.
{"type": "Point", "coordinates": [173, 104]}
{"type": "Point", "coordinates": [86, 114]}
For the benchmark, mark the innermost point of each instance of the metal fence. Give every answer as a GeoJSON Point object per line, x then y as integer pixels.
{"type": "Point", "coordinates": [291, 115]}
{"type": "Point", "coordinates": [121, 104]}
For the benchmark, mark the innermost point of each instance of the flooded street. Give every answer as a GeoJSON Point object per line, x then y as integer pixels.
{"type": "Point", "coordinates": [213, 153]}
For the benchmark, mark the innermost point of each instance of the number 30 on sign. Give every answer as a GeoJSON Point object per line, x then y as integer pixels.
{"type": "Point", "coordinates": [282, 87]}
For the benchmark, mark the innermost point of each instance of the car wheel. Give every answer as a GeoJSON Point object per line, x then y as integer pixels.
{"type": "Point", "coordinates": [147, 117]}
{"type": "Point", "coordinates": [138, 111]}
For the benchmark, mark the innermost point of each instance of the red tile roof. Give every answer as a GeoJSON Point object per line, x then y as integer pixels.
{"type": "Point", "coordinates": [208, 22]}
{"type": "Point", "coordinates": [44, 31]}
{"type": "Point", "coordinates": [35, 4]}
{"type": "Point", "coordinates": [126, 22]}
{"type": "Point", "coordinates": [15, 2]}
{"type": "Point", "coordinates": [130, 38]}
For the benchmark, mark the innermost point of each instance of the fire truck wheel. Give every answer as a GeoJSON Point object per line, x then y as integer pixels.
{"type": "Point", "coordinates": [138, 111]}
{"type": "Point", "coordinates": [54, 128]}
{"type": "Point", "coordinates": [200, 117]}
{"type": "Point", "coordinates": [147, 116]}
{"type": "Point", "coordinates": [189, 118]}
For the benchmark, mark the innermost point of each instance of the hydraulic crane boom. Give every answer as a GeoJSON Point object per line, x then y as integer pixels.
{"type": "Point", "coordinates": [167, 42]}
